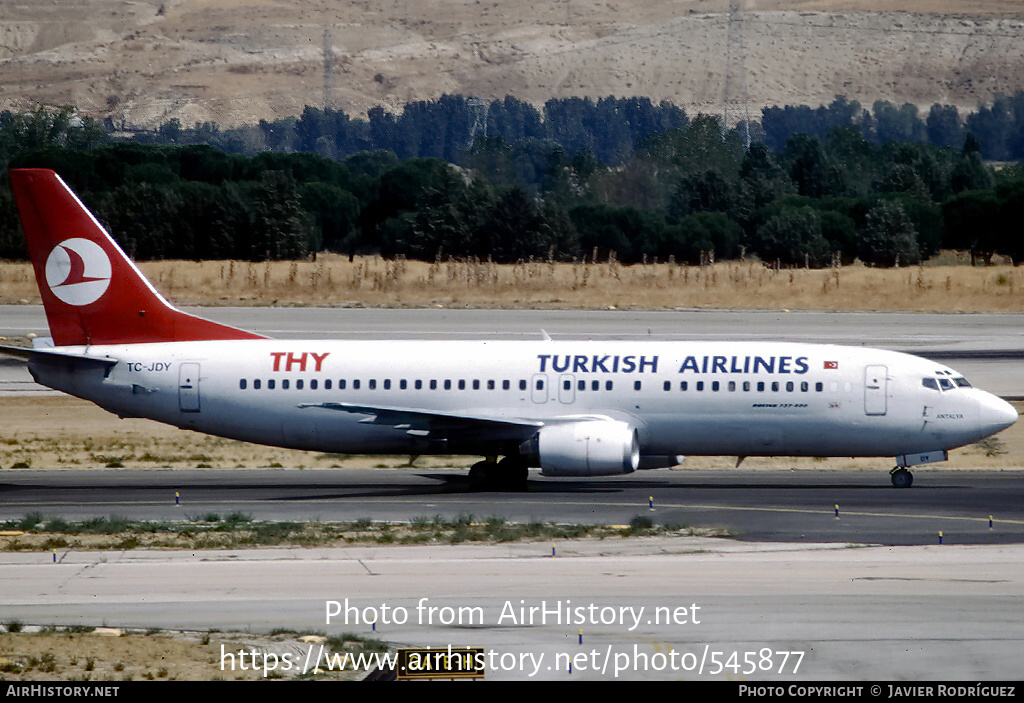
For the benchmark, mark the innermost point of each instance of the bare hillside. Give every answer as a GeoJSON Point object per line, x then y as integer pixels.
{"type": "Point", "coordinates": [238, 61]}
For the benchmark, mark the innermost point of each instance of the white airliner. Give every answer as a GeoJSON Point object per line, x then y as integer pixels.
{"type": "Point", "coordinates": [592, 408]}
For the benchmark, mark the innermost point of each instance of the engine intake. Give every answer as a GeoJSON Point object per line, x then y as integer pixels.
{"type": "Point", "coordinates": [587, 448]}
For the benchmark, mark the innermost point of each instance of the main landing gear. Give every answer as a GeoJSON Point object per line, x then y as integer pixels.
{"type": "Point", "coordinates": [509, 474]}
{"type": "Point", "coordinates": [901, 478]}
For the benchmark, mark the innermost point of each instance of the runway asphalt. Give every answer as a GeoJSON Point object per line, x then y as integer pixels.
{"type": "Point", "coordinates": [764, 506]}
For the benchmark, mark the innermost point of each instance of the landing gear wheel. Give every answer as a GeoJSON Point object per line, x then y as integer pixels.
{"type": "Point", "coordinates": [509, 474]}
{"type": "Point", "coordinates": [901, 478]}
{"type": "Point", "coordinates": [481, 475]}
{"type": "Point", "coordinates": [513, 473]}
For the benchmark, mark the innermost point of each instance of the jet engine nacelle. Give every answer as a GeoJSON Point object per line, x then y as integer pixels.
{"type": "Point", "coordinates": [588, 448]}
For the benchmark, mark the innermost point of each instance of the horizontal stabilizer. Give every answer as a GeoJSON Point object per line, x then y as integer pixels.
{"type": "Point", "coordinates": [52, 356]}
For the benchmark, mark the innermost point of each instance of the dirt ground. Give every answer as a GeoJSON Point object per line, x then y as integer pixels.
{"type": "Point", "coordinates": [109, 654]}
{"type": "Point", "coordinates": [238, 61]}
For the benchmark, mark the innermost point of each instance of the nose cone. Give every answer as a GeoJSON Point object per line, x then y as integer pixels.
{"type": "Point", "coordinates": [994, 415]}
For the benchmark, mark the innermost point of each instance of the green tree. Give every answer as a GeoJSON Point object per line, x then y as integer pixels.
{"type": "Point", "coordinates": [701, 232]}
{"type": "Point", "coordinates": [46, 129]}
{"type": "Point", "coordinates": [702, 192]}
{"type": "Point", "coordinates": [813, 172]}
{"type": "Point", "coordinates": [970, 171]}
{"type": "Point", "coordinates": [278, 228]}
{"type": "Point", "coordinates": [944, 126]}
{"type": "Point", "coordinates": [12, 241]}
{"type": "Point", "coordinates": [762, 181]}
{"type": "Point", "coordinates": [627, 231]}
{"type": "Point", "coordinates": [515, 229]}
{"type": "Point", "coordinates": [1011, 215]}
{"type": "Point", "coordinates": [972, 220]}
{"type": "Point", "coordinates": [900, 124]}
{"type": "Point", "coordinates": [840, 231]}
{"type": "Point", "coordinates": [143, 218]}
{"type": "Point", "coordinates": [903, 179]}
{"type": "Point", "coordinates": [211, 220]}
{"type": "Point", "coordinates": [793, 237]}
{"type": "Point", "coordinates": [335, 214]}
{"type": "Point", "coordinates": [888, 237]}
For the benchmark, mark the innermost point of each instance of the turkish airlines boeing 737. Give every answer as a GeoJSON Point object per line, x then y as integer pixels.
{"type": "Point", "coordinates": [592, 408]}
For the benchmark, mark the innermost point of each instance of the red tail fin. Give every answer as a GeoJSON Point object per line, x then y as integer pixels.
{"type": "Point", "coordinates": [92, 292]}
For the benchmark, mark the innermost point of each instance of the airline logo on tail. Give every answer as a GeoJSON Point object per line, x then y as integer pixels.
{"type": "Point", "coordinates": [78, 271]}
{"type": "Point", "coordinates": [75, 261]}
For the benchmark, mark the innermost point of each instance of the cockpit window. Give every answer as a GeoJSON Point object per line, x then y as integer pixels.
{"type": "Point", "coordinates": [946, 384]}
{"type": "Point", "coordinates": [930, 383]}
{"type": "Point", "coordinates": [961, 382]}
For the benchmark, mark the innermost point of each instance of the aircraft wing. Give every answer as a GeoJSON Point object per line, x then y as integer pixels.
{"type": "Point", "coordinates": [438, 423]}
